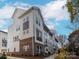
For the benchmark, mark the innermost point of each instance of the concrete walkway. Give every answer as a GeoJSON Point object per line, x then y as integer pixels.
{"type": "Point", "coordinates": [50, 57]}
{"type": "Point", "coordinates": [14, 57]}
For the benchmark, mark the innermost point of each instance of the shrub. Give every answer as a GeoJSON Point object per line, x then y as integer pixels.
{"type": "Point", "coordinates": [3, 57]}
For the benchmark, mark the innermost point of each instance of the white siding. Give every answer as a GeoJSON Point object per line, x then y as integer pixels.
{"type": "Point", "coordinates": [2, 36]}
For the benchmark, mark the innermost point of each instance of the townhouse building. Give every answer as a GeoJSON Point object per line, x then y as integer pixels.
{"type": "Point", "coordinates": [48, 40]}
{"type": "Point", "coordinates": [26, 36]}
{"type": "Point", "coordinates": [3, 41]}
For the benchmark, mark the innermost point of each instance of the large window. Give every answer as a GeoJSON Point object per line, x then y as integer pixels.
{"type": "Point", "coordinates": [4, 42]}
{"type": "Point", "coordinates": [39, 35]}
{"type": "Point", "coordinates": [26, 25]}
{"type": "Point", "coordinates": [37, 21]}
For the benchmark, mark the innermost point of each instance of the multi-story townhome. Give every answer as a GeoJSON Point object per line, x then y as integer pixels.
{"type": "Point", "coordinates": [48, 40]}
{"type": "Point", "coordinates": [26, 34]}
{"type": "Point", "coordinates": [3, 41]}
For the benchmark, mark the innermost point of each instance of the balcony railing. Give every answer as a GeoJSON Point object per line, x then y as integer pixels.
{"type": "Point", "coordinates": [39, 39]}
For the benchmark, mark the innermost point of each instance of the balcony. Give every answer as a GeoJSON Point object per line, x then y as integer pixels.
{"type": "Point", "coordinates": [39, 39]}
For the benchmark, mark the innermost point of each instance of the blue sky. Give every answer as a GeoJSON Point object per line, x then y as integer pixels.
{"type": "Point", "coordinates": [55, 16]}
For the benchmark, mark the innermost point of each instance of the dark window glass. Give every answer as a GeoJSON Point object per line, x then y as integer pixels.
{"type": "Point", "coordinates": [16, 38]}
{"type": "Point", "coordinates": [39, 35]}
{"type": "Point", "coordinates": [36, 20]}
{"type": "Point", "coordinates": [4, 42]}
{"type": "Point", "coordinates": [37, 48]}
{"type": "Point", "coordinates": [26, 25]}
{"type": "Point", "coordinates": [14, 49]}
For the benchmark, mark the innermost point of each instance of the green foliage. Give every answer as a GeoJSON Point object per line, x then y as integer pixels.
{"type": "Point", "coordinates": [77, 1]}
{"type": "Point", "coordinates": [3, 57]}
{"type": "Point", "coordinates": [70, 7]}
{"type": "Point", "coordinates": [70, 10]}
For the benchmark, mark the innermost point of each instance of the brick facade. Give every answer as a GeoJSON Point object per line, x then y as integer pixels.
{"type": "Point", "coordinates": [26, 42]}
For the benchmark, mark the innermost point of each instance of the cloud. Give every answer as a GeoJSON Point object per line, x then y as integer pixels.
{"type": "Point", "coordinates": [2, 21]}
{"type": "Point", "coordinates": [54, 10]}
{"type": "Point", "coordinates": [8, 9]}
{"type": "Point", "coordinates": [21, 5]}
{"type": "Point", "coordinates": [51, 27]}
{"type": "Point", "coordinates": [6, 12]}
{"type": "Point", "coordinates": [6, 30]}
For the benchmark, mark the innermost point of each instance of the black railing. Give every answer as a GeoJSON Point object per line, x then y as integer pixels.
{"type": "Point", "coordinates": [39, 39]}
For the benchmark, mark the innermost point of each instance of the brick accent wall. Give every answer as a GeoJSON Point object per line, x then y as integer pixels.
{"type": "Point", "coordinates": [26, 42]}
{"type": "Point", "coordinates": [28, 52]}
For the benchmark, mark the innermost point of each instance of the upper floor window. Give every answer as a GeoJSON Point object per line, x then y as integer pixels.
{"type": "Point", "coordinates": [39, 35]}
{"type": "Point", "coordinates": [18, 28]}
{"type": "Point", "coordinates": [37, 21]}
{"type": "Point", "coordinates": [4, 42]}
{"type": "Point", "coordinates": [26, 25]}
{"type": "Point", "coordinates": [16, 38]}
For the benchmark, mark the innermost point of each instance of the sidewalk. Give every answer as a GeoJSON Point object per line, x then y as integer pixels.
{"type": "Point", "coordinates": [8, 57]}
{"type": "Point", "coordinates": [51, 57]}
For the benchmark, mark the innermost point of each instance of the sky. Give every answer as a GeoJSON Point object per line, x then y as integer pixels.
{"type": "Point", "coordinates": [55, 13]}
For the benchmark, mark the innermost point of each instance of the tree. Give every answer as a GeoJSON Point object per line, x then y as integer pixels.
{"type": "Point", "coordinates": [72, 9]}
{"type": "Point", "coordinates": [74, 41]}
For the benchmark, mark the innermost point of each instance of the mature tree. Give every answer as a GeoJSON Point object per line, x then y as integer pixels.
{"type": "Point", "coordinates": [74, 42]}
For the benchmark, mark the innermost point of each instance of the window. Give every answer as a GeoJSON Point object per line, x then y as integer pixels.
{"type": "Point", "coordinates": [39, 35]}
{"type": "Point", "coordinates": [37, 48]}
{"type": "Point", "coordinates": [25, 31]}
{"type": "Point", "coordinates": [46, 41]}
{"type": "Point", "coordinates": [14, 49]}
{"type": "Point", "coordinates": [26, 25]}
{"type": "Point", "coordinates": [18, 28]}
{"type": "Point", "coordinates": [24, 20]}
{"type": "Point", "coordinates": [37, 21]}
{"type": "Point", "coordinates": [8, 50]}
{"type": "Point", "coordinates": [4, 42]}
{"type": "Point", "coordinates": [16, 38]}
